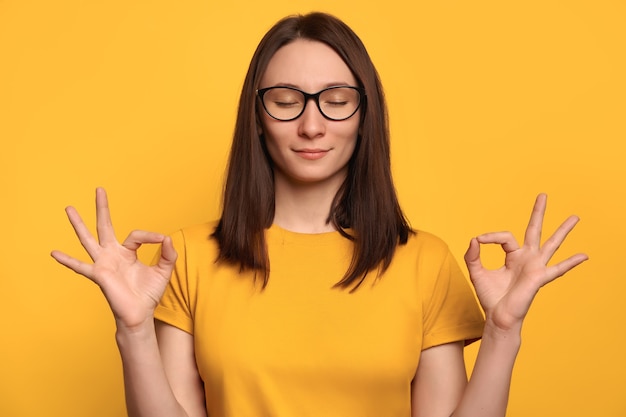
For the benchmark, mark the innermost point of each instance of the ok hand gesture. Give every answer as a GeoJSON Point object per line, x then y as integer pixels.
{"type": "Point", "coordinates": [131, 288]}
{"type": "Point", "coordinates": [507, 292]}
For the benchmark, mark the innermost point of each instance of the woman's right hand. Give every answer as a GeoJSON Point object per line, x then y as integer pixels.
{"type": "Point", "coordinates": [131, 288]}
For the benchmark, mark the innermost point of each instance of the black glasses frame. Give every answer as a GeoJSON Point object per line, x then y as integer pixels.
{"type": "Point", "coordinates": [315, 97]}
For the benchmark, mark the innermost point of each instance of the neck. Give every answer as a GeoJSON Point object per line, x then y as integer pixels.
{"type": "Point", "coordinates": [304, 208]}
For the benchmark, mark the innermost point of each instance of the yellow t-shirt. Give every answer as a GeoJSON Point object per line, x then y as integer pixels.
{"type": "Point", "coordinates": [301, 348]}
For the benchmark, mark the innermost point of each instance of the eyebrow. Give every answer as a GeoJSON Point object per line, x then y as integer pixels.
{"type": "Point", "coordinates": [327, 85]}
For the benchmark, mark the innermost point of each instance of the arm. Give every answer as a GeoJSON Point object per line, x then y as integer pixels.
{"type": "Point", "coordinates": [505, 295]}
{"type": "Point", "coordinates": [487, 393]}
{"type": "Point", "coordinates": [133, 291]}
{"type": "Point", "coordinates": [179, 361]}
{"type": "Point", "coordinates": [160, 373]}
{"type": "Point", "coordinates": [440, 387]}
{"type": "Point", "coordinates": [439, 381]}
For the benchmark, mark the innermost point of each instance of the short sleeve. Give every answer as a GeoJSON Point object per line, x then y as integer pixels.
{"type": "Point", "coordinates": [175, 307]}
{"type": "Point", "coordinates": [451, 311]}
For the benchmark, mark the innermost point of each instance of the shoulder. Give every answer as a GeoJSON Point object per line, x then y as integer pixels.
{"type": "Point", "coordinates": [194, 236]}
{"type": "Point", "coordinates": [424, 255]}
{"type": "Point", "coordinates": [427, 244]}
{"type": "Point", "coordinates": [202, 229]}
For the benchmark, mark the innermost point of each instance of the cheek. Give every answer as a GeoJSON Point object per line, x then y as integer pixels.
{"type": "Point", "coordinates": [353, 135]}
{"type": "Point", "coordinates": [353, 146]}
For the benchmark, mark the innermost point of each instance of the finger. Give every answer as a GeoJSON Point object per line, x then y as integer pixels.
{"type": "Point", "coordinates": [551, 245]}
{"type": "Point", "coordinates": [72, 263]}
{"type": "Point", "coordinates": [136, 238]}
{"type": "Point", "coordinates": [555, 271]}
{"type": "Point", "coordinates": [168, 255]}
{"type": "Point", "coordinates": [82, 232]}
{"type": "Point", "coordinates": [505, 239]}
{"type": "Point", "coordinates": [532, 237]}
{"type": "Point", "coordinates": [106, 234]}
{"type": "Point", "coordinates": [472, 258]}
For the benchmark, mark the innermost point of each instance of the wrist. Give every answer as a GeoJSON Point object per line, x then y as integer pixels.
{"type": "Point", "coordinates": [141, 330]}
{"type": "Point", "coordinates": [510, 335]}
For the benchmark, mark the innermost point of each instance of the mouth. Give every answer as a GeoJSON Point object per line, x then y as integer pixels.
{"type": "Point", "coordinates": [311, 154]}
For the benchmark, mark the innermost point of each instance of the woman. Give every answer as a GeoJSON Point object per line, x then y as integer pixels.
{"type": "Point", "coordinates": [311, 295]}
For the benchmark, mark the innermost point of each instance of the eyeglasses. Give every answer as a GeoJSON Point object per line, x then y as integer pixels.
{"type": "Point", "coordinates": [288, 103]}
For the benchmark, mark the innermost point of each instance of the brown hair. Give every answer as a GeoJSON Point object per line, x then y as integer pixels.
{"type": "Point", "coordinates": [366, 202]}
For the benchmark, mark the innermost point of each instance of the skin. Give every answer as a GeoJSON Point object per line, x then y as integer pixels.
{"type": "Point", "coordinates": [304, 187]}
{"type": "Point", "coordinates": [160, 373]}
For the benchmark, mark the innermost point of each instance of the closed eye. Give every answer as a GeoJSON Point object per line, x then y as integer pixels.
{"type": "Point", "coordinates": [286, 103]}
{"type": "Point", "coordinates": [335, 103]}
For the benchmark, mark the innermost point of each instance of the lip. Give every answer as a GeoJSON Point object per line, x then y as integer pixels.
{"type": "Point", "coordinates": [311, 154]}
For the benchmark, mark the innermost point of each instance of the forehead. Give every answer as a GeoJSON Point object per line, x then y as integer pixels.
{"type": "Point", "coordinates": [309, 65]}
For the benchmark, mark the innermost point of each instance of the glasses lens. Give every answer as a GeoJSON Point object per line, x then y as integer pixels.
{"type": "Point", "coordinates": [340, 102]}
{"type": "Point", "coordinates": [283, 103]}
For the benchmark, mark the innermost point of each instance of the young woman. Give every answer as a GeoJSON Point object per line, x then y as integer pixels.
{"type": "Point", "coordinates": [311, 296]}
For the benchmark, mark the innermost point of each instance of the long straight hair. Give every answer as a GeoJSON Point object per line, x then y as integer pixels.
{"type": "Point", "coordinates": [366, 202]}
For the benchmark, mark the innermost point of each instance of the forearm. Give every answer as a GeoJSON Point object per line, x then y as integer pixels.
{"type": "Point", "coordinates": [148, 392]}
{"type": "Point", "coordinates": [487, 391]}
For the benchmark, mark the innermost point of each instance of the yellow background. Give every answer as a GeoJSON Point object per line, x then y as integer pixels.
{"type": "Point", "coordinates": [491, 102]}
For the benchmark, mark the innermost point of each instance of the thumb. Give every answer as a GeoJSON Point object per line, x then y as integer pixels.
{"type": "Point", "coordinates": [168, 255]}
{"type": "Point", "coordinates": [472, 257]}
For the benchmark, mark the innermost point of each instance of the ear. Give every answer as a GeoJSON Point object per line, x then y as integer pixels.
{"type": "Point", "coordinates": [361, 122]}
{"type": "Point", "coordinates": [259, 126]}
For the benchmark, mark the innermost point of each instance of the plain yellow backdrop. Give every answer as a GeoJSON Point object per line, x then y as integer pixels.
{"type": "Point", "coordinates": [490, 102]}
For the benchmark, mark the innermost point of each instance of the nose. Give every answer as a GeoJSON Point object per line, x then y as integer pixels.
{"type": "Point", "coordinates": [312, 122]}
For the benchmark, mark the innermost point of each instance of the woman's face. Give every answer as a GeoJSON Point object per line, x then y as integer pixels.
{"type": "Point", "coordinates": [310, 149]}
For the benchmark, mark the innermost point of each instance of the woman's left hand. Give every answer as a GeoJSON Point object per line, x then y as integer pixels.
{"type": "Point", "coordinates": [506, 293]}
